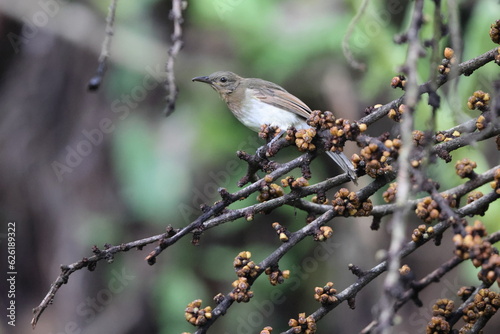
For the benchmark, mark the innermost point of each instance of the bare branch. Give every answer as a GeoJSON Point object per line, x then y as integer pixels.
{"type": "Point", "coordinates": [176, 16]}
{"type": "Point", "coordinates": [96, 80]}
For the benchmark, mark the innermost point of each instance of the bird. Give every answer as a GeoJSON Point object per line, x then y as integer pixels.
{"type": "Point", "coordinates": [255, 102]}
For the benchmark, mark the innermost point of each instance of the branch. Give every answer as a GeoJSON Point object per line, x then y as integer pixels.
{"type": "Point", "coordinates": [466, 68]}
{"type": "Point", "coordinates": [96, 80]}
{"type": "Point", "coordinates": [176, 16]}
{"type": "Point", "coordinates": [371, 274]}
{"type": "Point", "coordinates": [91, 263]}
{"type": "Point", "coordinates": [392, 283]}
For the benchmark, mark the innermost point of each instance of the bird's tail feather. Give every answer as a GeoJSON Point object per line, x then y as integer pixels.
{"type": "Point", "coordinates": [344, 163]}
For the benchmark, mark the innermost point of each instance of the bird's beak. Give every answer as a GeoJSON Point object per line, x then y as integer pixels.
{"type": "Point", "coordinates": [204, 79]}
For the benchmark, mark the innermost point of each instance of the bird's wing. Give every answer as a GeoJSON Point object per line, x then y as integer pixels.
{"type": "Point", "coordinates": [280, 98]}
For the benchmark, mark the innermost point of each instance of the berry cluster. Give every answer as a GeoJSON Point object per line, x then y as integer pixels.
{"type": "Point", "coordinates": [304, 138]}
{"type": "Point", "coordinates": [323, 233]}
{"type": "Point", "coordinates": [370, 109]}
{"type": "Point", "coordinates": [495, 184]}
{"type": "Point", "coordinates": [374, 158]}
{"type": "Point", "coordinates": [390, 194]}
{"type": "Point", "coordinates": [326, 294]}
{"type": "Point", "coordinates": [303, 324]}
{"type": "Point", "coordinates": [437, 325]}
{"type": "Point", "coordinates": [404, 270]}
{"type": "Point", "coordinates": [276, 276]}
{"type": "Point", "coordinates": [281, 231]}
{"type": "Point", "coordinates": [342, 131]}
{"type": "Point", "coordinates": [266, 330]}
{"type": "Point", "coordinates": [495, 32]}
{"type": "Point", "coordinates": [268, 132]}
{"type": "Point", "coordinates": [346, 203]}
{"type": "Point", "coordinates": [398, 82]}
{"type": "Point", "coordinates": [444, 137]}
{"type": "Point", "coordinates": [241, 292]}
{"type": "Point", "coordinates": [481, 122]}
{"type": "Point", "coordinates": [321, 120]}
{"type": "Point", "coordinates": [465, 292]}
{"type": "Point", "coordinates": [441, 311]}
{"type": "Point", "coordinates": [486, 303]}
{"type": "Point", "coordinates": [465, 168]}
{"type": "Point", "coordinates": [396, 114]}
{"type": "Point", "coordinates": [448, 61]}
{"type": "Point", "coordinates": [419, 138]}
{"type": "Point", "coordinates": [470, 245]}
{"type": "Point", "coordinates": [422, 233]}
{"type": "Point", "coordinates": [320, 198]}
{"type": "Point", "coordinates": [474, 196]}
{"type": "Point", "coordinates": [428, 209]}
{"type": "Point", "coordinates": [479, 100]}
{"type": "Point", "coordinates": [245, 268]}
{"type": "Point", "coordinates": [472, 238]}
{"type": "Point", "coordinates": [294, 183]}
{"type": "Point", "coordinates": [443, 308]}
{"type": "Point", "coordinates": [196, 315]}
{"type": "Point", "coordinates": [270, 191]}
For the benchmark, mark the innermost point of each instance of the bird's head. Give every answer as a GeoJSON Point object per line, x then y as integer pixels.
{"type": "Point", "coordinates": [223, 82]}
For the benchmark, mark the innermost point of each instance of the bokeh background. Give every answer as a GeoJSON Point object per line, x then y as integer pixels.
{"type": "Point", "coordinates": [80, 168]}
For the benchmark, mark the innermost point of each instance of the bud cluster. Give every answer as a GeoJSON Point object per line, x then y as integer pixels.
{"type": "Point", "coordinates": [396, 114]}
{"type": "Point", "coordinates": [486, 303]}
{"type": "Point", "coordinates": [276, 276]}
{"type": "Point", "coordinates": [196, 315]}
{"type": "Point", "coordinates": [374, 159]}
{"type": "Point", "coordinates": [303, 324]}
{"type": "Point", "coordinates": [245, 268]}
{"type": "Point", "coordinates": [346, 203]}
{"type": "Point", "coordinates": [465, 168]}
{"type": "Point", "coordinates": [448, 61]}
{"type": "Point", "coordinates": [390, 194]}
{"type": "Point", "coordinates": [422, 233]}
{"type": "Point", "coordinates": [479, 100]}
{"type": "Point", "coordinates": [270, 191]}
{"type": "Point", "coordinates": [429, 210]}
{"type": "Point", "coordinates": [471, 245]}
{"type": "Point", "coordinates": [326, 294]}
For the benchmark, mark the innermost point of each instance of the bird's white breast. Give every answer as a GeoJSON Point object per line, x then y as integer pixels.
{"type": "Point", "coordinates": [254, 113]}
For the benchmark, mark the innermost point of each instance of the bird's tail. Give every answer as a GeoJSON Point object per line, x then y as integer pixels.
{"type": "Point", "coordinates": [344, 163]}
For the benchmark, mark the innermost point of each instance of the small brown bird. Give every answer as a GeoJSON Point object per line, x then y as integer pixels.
{"type": "Point", "coordinates": [255, 102]}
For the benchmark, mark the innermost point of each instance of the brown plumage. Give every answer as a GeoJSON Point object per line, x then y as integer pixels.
{"type": "Point", "coordinates": [255, 102]}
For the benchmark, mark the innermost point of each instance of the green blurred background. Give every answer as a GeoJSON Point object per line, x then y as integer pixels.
{"type": "Point", "coordinates": [138, 171]}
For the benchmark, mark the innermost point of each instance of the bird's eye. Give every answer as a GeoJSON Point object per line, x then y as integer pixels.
{"type": "Point", "coordinates": [223, 79]}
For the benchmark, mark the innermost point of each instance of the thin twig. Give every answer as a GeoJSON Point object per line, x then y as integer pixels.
{"type": "Point", "coordinates": [96, 80]}
{"type": "Point", "coordinates": [90, 262]}
{"type": "Point", "coordinates": [176, 16]}
{"type": "Point", "coordinates": [345, 41]}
